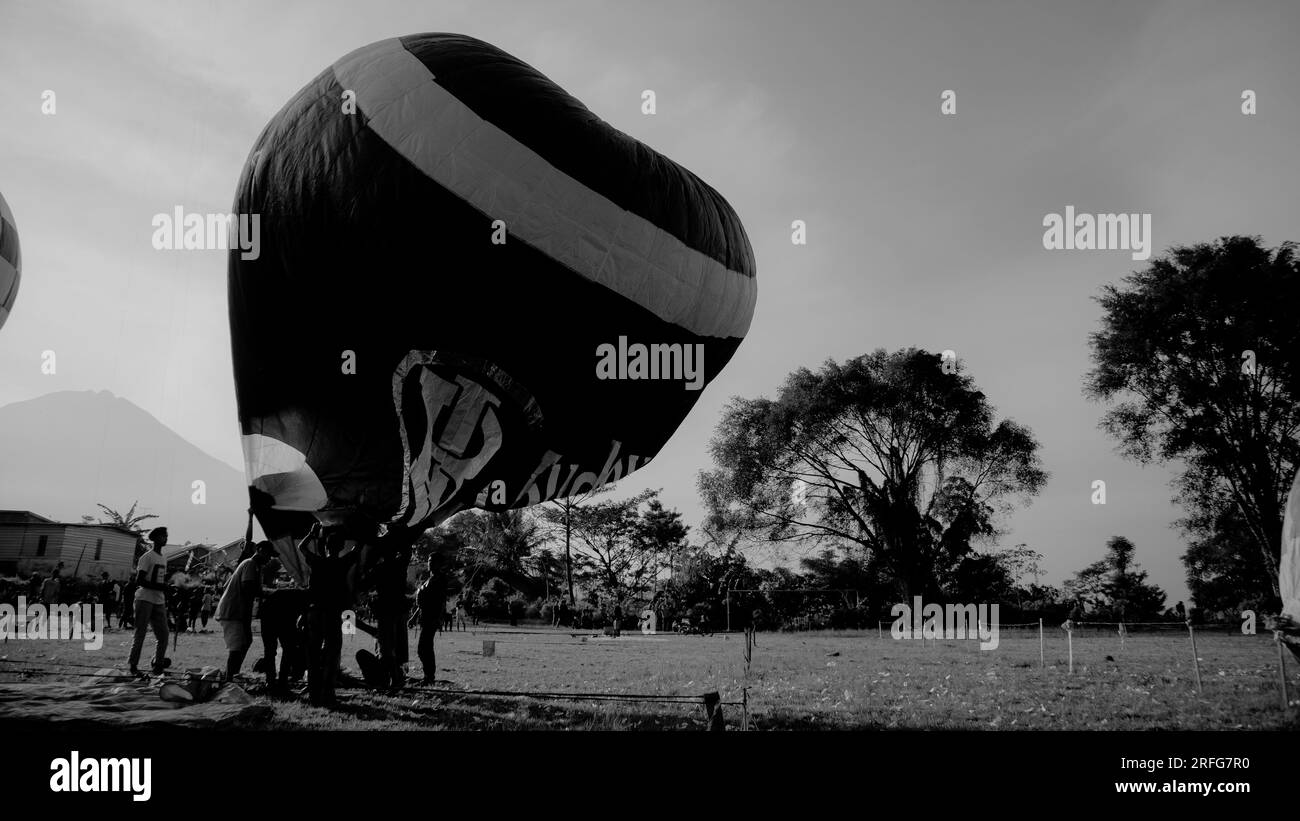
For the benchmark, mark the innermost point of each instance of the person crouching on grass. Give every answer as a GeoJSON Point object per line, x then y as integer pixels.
{"type": "Point", "coordinates": [235, 610]}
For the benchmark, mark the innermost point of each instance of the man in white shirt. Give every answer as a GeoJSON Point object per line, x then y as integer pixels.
{"type": "Point", "coordinates": [151, 602]}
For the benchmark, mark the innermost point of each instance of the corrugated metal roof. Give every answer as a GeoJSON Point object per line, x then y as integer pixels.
{"type": "Point", "coordinates": [23, 517]}
{"type": "Point", "coordinates": [26, 517]}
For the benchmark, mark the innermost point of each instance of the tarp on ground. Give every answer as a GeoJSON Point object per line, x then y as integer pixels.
{"type": "Point", "coordinates": [110, 699]}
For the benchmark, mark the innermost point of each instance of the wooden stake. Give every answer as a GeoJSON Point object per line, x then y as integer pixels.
{"type": "Point", "coordinates": [1282, 668]}
{"type": "Point", "coordinates": [1196, 662]}
{"type": "Point", "coordinates": [1042, 664]}
{"type": "Point", "coordinates": [1069, 636]}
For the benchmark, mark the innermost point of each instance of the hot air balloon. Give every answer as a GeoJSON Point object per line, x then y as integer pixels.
{"type": "Point", "coordinates": [1289, 566]}
{"type": "Point", "coordinates": [1288, 578]}
{"type": "Point", "coordinates": [470, 291]}
{"type": "Point", "coordinates": [11, 262]}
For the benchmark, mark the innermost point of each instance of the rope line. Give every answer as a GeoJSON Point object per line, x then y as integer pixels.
{"type": "Point", "coordinates": [1046, 623]}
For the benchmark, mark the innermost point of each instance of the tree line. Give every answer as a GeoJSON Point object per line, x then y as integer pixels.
{"type": "Point", "coordinates": [895, 475]}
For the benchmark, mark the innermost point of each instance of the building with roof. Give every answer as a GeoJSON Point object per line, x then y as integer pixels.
{"type": "Point", "coordinates": [30, 543]}
{"type": "Point", "coordinates": [197, 557]}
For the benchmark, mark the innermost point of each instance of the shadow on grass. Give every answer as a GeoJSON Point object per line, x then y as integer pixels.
{"type": "Point", "coordinates": [431, 710]}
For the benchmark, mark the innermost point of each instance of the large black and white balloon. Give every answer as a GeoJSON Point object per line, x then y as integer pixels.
{"type": "Point", "coordinates": [449, 242]}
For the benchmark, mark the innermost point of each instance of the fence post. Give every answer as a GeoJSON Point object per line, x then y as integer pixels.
{"type": "Point", "coordinates": [1041, 663]}
{"type": "Point", "coordinates": [744, 709]}
{"type": "Point", "coordinates": [1281, 668]}
{"type": "Point", "coordinates": [1196, 662]}
{"type": "Point", "coordinates": [880, 631]}
{"type": "Point", "coordinates": [1069, 635]}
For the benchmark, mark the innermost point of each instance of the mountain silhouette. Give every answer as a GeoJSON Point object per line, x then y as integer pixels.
{"type": "Point", "coordinates": [63, 453]}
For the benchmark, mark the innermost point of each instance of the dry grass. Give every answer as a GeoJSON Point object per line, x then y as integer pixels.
{"type": "Point", "coordinates": [794, 684]}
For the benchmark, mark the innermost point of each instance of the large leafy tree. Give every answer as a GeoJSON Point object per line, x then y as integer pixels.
{"type": "Point", "coordinates": [1088, 587]}
{"type": "Point", "coordinates": [611, 535]}
{"type": "Point", "coordinates": [550, 570]}
{"type": "Point", "coordinates": [1225, 569]}
{"type": "Point", "coordinates": [1199, 354]}
{"type": "Point", "coordinates": [497, 544]}
{"type": "Point", "coordinates": [1116, 585]}
{"type": "Point", "coordinates": [1131, 596]}
{"type": "Point", "coordinates": [701, 589]}
{"type": "Point", "coordinates": [891, 453]}
{"type": "Point", "coordinates": [662, 533]}
{"type": "Point", "coordinates": [1018, 564]}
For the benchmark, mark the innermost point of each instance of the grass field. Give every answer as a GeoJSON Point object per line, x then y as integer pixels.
{"type": "Point", "coordinates": [797, 681]}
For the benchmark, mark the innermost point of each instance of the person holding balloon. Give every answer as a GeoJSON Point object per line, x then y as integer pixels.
{"type": "Point", "coordinates": [329, 597]}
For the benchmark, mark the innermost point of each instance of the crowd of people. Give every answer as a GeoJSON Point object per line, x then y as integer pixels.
{"type": "Point", "coordinates": [301, 627]}
{"type": "Point", "coordinates": [190, 603]}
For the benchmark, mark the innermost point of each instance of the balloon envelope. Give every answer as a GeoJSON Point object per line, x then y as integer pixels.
{"type": "Point", "coordinates": [468, 290]}
{"type": "Point", "coordinates": [1289, 566]}
{"type": "Point", "coordinates": [10, 261]}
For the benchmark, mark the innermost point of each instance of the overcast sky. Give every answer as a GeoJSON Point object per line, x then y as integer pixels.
{"type": "Point", "coordinates": [923, 229]}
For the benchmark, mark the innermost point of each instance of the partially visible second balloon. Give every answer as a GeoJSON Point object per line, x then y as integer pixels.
{"type": "Point", "coordinates": [11, 263]}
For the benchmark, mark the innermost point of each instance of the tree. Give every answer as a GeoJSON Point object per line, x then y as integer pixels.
{"type": "Point", "coordinates": [1224, 569]}
{"type": "Point", "coordinates": [700, 590]}
{"type": "Point", "coordinates": [888, 452]}
{"type": "Point", "coordinates": [130, 520]}
{"type": "Point", "coordinates": [558, 514]}
{"type": "Point", "coordinates": [1127, 590]}
{"type": "Point", "coordinates": [1021, 562]}
{"type": "Point", "coordinates": [498, 544]}
{"type": "Point", "coordinates": [611, 534]}
{"type": "Point", "coordinates": [550, 570]}
{"type": "Point", "coordinates": [1116, 585]}
{"type": "Point", "coordinates": [444, 539]}
{"type": "Point", "coordinates": [1200, 355]}
{"type": "Point", "coordinates": [979, 577]}
{"type": "Point", "coordinates": [1089, 585]}
{"type": "Point", "coordinates": [661, 533]}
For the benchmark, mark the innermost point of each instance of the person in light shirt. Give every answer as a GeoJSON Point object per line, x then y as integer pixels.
{"type": "Point", "coordinates": [151, 602]}
{"type": "Point", "coordinates": [235, 610]}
